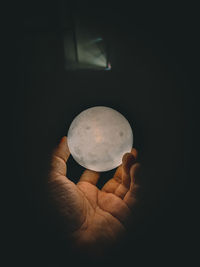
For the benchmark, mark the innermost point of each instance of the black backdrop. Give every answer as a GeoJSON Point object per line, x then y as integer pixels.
{"type": "Point", "coordinates": [153, 51]}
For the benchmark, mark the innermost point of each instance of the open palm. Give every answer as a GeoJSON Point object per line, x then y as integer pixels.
{"type": "Point", "coordinates": [94, 218]}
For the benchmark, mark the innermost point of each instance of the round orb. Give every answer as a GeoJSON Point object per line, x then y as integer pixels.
{"type": "Point", "coordinates": [99, 137]}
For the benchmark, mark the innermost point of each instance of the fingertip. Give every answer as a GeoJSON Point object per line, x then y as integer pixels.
{"type": "Point", "coordinates": [63, 139]}
{"type": "Point", "coordinates": [128, 159]}
{"type": "Point", "coordinates": [124, 158]}
{"type": "Point", "coordinates": [92, 172]}
{"type": "Point", "coordinates": [128, 156]}
{"type": "Point", "coordinates": [134, 152]}
{"type": "Point", "coordinates": [90, 176]}
{"type": "Point", "coordinates": [64, 142]}
{"type": "Point", "coordinates": [62, 150]}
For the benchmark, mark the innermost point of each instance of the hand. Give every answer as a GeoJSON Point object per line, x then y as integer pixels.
{"type": "Point", "coordinates": [93, 218]}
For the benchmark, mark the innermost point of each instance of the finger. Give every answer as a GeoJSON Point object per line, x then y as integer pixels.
{"type": "Point", "coordinates": [134, 173]}
{"type": "Point", "coordinates": [132, 197]}
{"type": "Point", "coordinates": [111, 186]}
{"type": "Point", "coordinates": [59, 158]}
{"type": "Point", "coordinates": [90, 177]}
{"type": "Point", "coordinates": [134, 152]}
{"type": "Point", "coordinates": [127, 161]}
{"type": "Point", "coordinates": [118, 173]}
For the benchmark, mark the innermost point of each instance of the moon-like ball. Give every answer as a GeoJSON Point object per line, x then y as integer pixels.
{"type": "Point", "coordinates": [99, 137]}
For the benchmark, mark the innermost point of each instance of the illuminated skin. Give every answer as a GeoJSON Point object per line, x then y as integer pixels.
{"type": "Point", "coordinates": [94, 219]}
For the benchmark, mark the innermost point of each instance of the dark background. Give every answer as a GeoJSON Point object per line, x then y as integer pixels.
{"type": "Point", "coordinates": [153, 52]}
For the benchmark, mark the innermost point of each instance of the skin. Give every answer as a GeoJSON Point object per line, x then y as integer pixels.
{"type": "Point", "coordinates": [94, 219]}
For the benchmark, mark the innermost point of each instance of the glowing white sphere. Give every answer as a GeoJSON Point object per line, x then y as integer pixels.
{"type": "Point", "coordinates": [99, 137]}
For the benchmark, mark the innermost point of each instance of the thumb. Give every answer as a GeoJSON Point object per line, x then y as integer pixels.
{"type": "Point", "coordinates": [59, 158]}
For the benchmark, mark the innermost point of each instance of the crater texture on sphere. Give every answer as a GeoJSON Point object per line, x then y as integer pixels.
{"type": "Point", "coordinates": [99, 137]}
